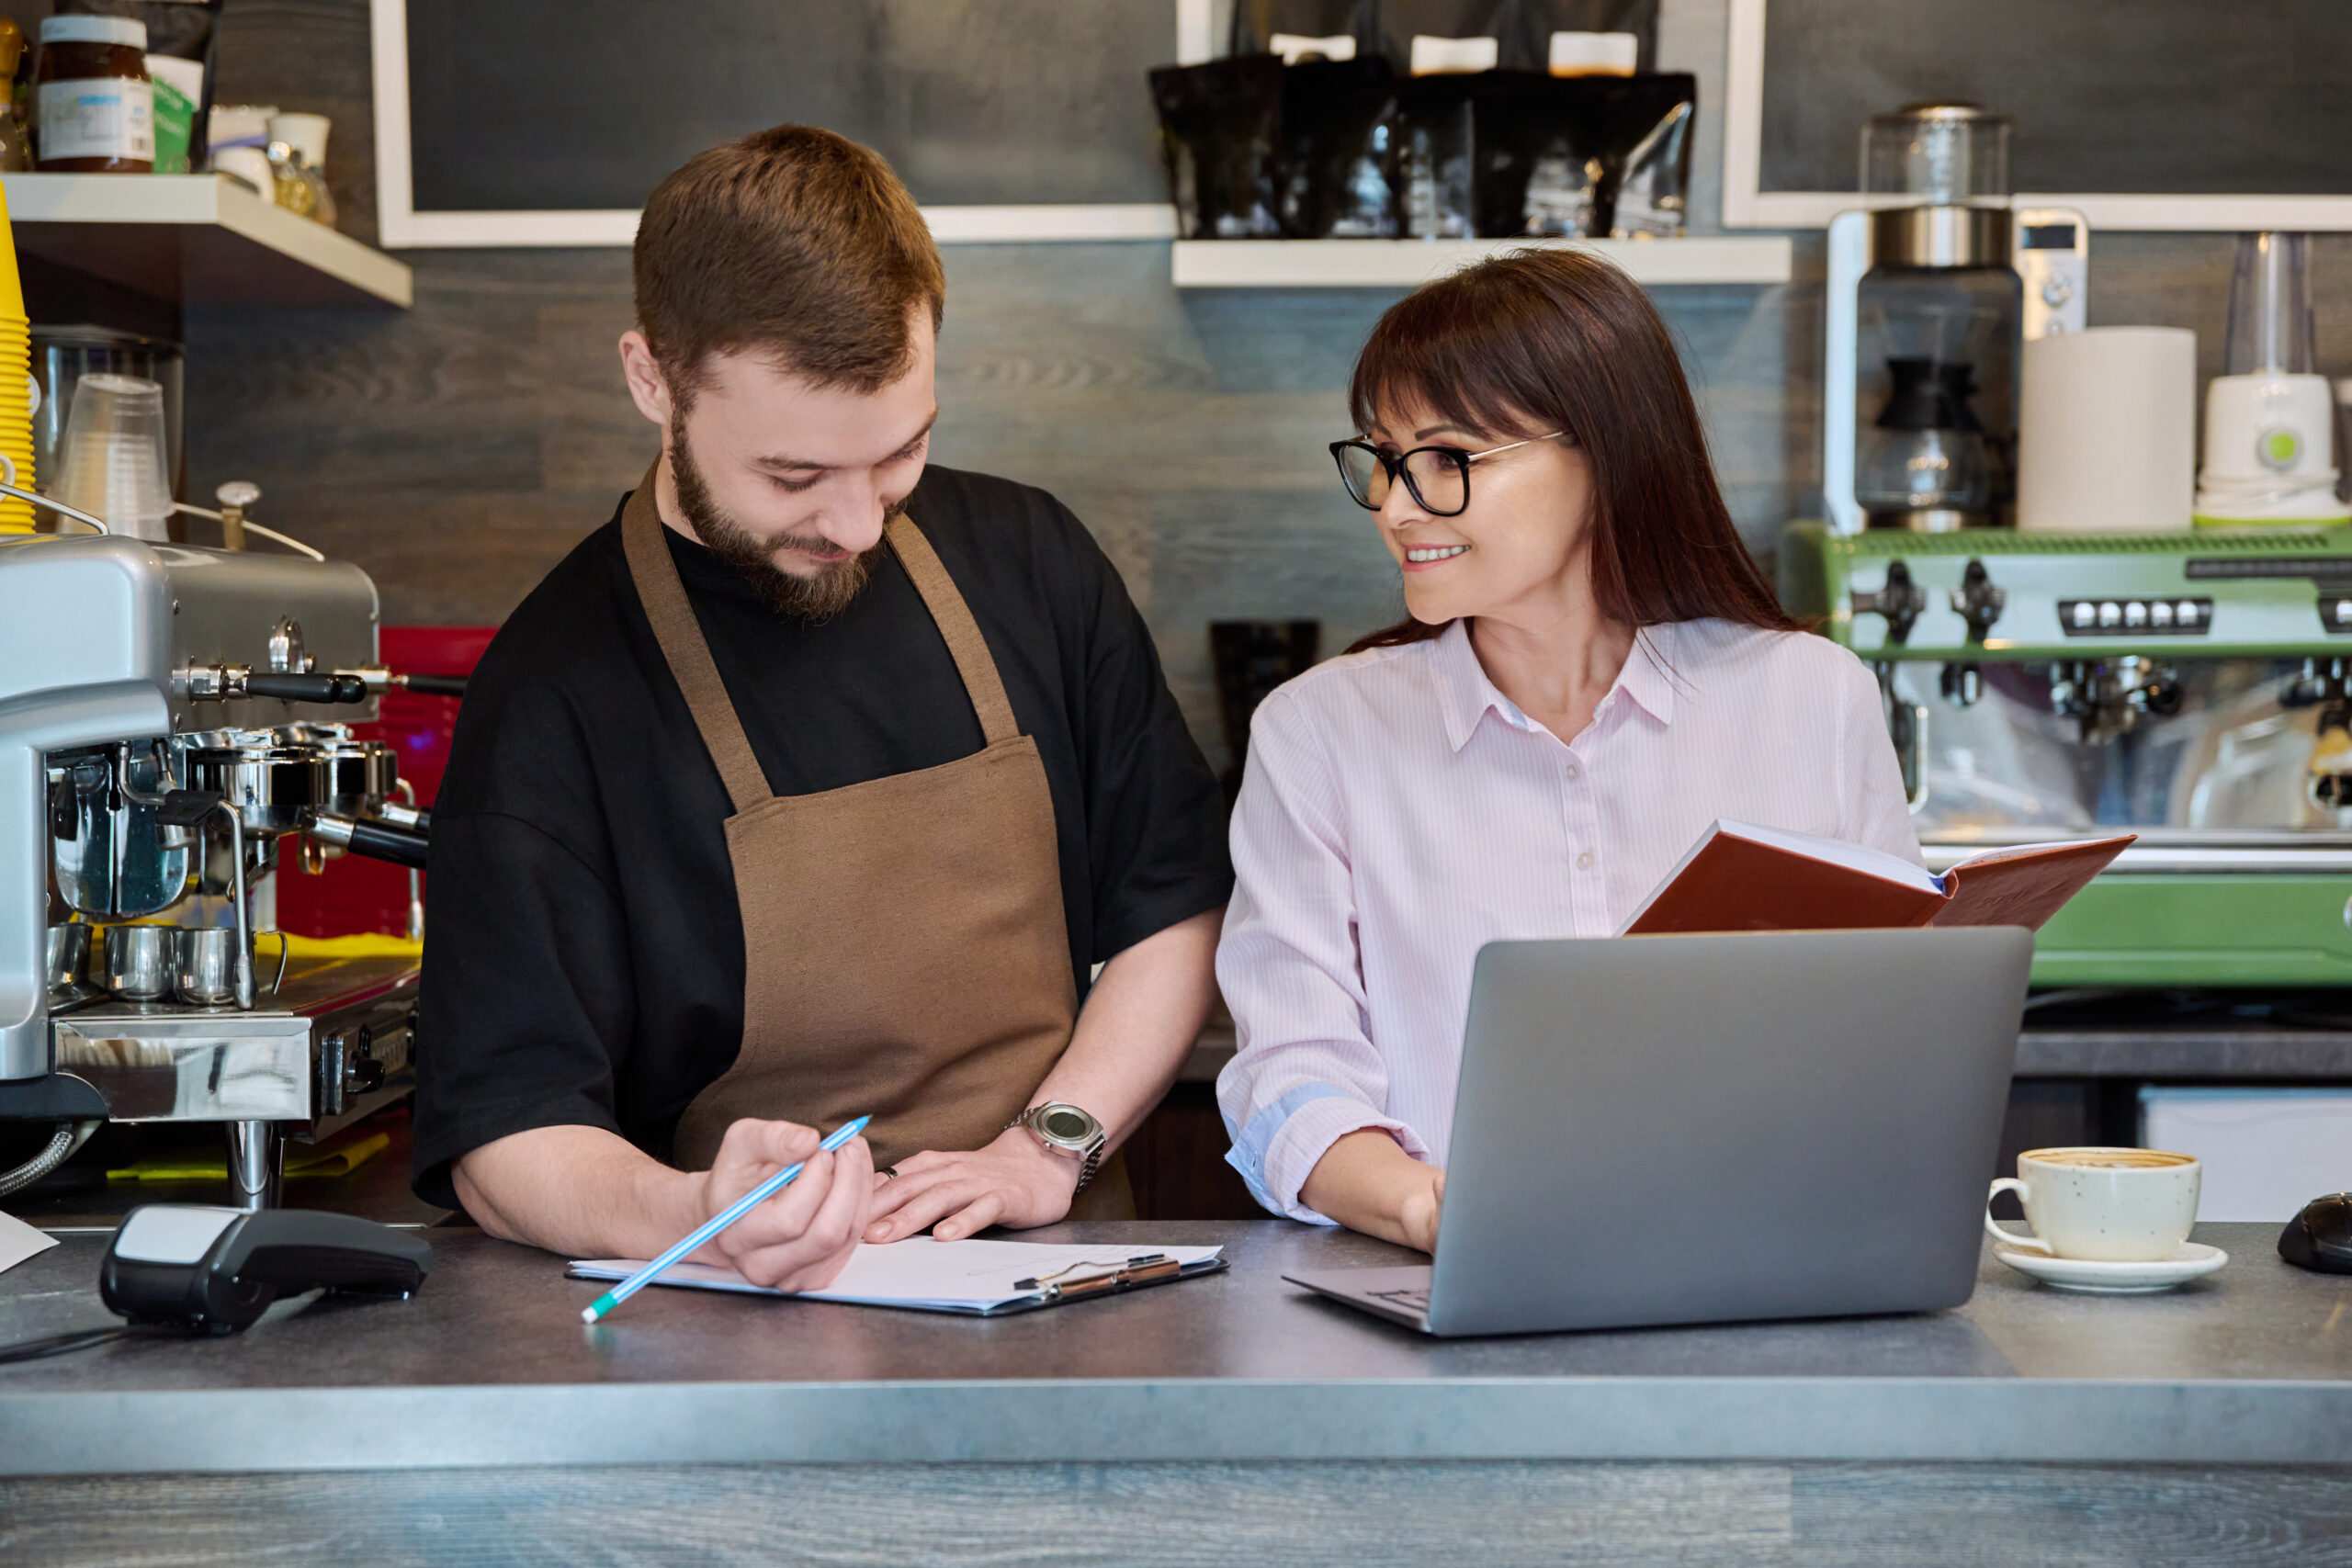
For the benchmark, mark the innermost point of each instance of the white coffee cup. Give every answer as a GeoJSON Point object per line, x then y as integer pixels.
{"type": "Point", "coordinates": [2105, 1205]}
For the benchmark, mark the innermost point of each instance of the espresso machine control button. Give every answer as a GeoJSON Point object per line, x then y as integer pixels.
{"type": "Point", "coordinates": [1901, 601]}
{"type": "Point", "coordinates": [1978, 600]}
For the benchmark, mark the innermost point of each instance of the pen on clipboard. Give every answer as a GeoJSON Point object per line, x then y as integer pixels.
{"type": "Point", "coordinates": [716, 1222]}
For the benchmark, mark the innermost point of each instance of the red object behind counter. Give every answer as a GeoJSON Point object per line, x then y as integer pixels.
{"type": "Point", "coordinates": [356, 894]}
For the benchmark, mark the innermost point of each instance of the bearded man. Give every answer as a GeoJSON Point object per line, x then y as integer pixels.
{"type": "Point", "coordinates": [817, 782]}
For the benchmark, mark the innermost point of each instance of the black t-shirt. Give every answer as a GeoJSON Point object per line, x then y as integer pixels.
{"type": "Point", "coordinates": [583, 960]}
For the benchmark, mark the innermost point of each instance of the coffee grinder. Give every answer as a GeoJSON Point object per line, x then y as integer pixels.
{"type": "Point", "coordinates": [1934, 284]}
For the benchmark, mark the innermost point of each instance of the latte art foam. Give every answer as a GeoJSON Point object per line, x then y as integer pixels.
{"type": "Point", "coordinates": [2111, 1159]}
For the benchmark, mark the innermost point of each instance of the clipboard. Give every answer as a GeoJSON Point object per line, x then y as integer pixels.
{"type": "Point", "coordinates": [1080, 1273]}
{"type": "Point", "coordinates": [1140, 1272]}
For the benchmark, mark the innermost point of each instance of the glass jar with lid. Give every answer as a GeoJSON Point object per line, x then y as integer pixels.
{"type": "Point", "coordinates": [1948, 155]}
{"type": "Point", "coordinates": [94, 107]}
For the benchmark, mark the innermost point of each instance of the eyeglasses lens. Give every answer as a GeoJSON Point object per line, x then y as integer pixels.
{"type": "Point", "coordinates": [1365, 479]}
{"type": "Point", "coordinates": [1437, 480]}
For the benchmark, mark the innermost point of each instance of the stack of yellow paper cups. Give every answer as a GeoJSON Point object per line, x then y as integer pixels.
{"type": "Point", "coordinates": [16, 381]}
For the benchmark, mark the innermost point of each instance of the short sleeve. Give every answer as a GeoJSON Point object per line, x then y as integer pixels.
{"type": "Point", "coordinates": [1155, 813]}
{"type": "Point", "coordinates": [528, 1007]}
{"type": "Point", "coordinates": [526, 1002]}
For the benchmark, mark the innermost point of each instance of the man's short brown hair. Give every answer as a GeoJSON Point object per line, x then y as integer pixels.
{"type": "Point", "coordinates": [795, 243]}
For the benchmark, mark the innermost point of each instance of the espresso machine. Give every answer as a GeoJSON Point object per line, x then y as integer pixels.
{"type": "Point", "coordinates": [1934, 284]}
{"type": "Point", "coordinates": [173, 718]}
{"type": "Point", "coordinates": [2193, 688]}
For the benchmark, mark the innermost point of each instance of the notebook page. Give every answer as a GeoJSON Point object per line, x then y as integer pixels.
{"type": "Point", "coordinates": [1836, 852]}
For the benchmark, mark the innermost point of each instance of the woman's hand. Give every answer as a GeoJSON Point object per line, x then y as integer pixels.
{"type": "Point", "coordinates": [1014, 1183]}
{"type": "Point", "coordinates": [1367, 1182]}
{"type": "Point", "coordinates": [801, 1238]}
{"type": "Point", "coordinates": [1417, 1212]}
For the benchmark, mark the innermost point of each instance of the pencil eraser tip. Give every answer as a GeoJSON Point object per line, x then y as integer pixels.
{"type": "Point", "coordinates": [587, 1315]}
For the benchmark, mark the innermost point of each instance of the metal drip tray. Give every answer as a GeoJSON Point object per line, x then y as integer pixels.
{"type": "Point", "coordinates": [331, 1045]}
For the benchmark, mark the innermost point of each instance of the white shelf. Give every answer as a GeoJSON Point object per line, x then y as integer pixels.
{"type": "Point", "coordinates": [1407, 264]}
{"type": "Point", "coordinates": [196, 239]}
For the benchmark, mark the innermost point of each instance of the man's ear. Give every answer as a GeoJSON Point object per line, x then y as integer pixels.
{"type": "Point", "coordinates": [647, 388]}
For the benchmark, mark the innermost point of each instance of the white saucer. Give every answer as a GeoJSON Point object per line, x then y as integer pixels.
{"type": "Point", "coordinates": [2189, 1260]}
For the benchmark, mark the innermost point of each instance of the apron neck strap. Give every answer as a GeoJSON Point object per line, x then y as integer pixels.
{"type": "Point", "coordinates": [981, 681]}
{"type": "Point", "coordinates": [663, 594]}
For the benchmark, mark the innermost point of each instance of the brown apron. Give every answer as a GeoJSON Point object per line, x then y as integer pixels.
{"type": "Point", "coordinates": [904, 949]}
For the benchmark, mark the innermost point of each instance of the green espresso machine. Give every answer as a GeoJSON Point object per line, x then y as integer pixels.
{"type": "Point", "coordinates": [2193, 688]}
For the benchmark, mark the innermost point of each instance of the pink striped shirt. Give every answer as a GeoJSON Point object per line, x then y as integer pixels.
{"type": "Point", "coordinates": [1399, 813]}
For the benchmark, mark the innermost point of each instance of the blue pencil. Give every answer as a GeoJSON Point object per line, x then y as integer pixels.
{"type": "Point", "coordinates": [712, 1226]}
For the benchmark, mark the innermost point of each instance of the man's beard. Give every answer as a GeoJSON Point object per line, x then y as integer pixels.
{"type": "Point", "coordinates": [813, 599]}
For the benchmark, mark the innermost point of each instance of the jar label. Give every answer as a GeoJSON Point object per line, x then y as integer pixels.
{"type": "Point", "coordinates": [104, 117]}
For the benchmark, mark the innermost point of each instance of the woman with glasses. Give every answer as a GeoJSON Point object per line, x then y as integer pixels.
{"type": "Point", "coordinates": [1594, 670]}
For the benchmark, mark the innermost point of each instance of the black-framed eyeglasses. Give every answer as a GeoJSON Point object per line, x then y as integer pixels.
{"type": "Point", "coordinates": [1437, 478]}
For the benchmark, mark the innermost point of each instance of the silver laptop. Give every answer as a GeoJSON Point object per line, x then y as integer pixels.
{"type": "Point", "coordinates": [1705, 1129]}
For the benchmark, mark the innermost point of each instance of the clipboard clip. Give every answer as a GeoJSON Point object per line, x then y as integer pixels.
{"type": "Point", "coordinates": [1113, 1277]}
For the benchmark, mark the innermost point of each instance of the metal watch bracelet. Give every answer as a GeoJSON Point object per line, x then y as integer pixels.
{"type": "Point", "coordinates": [1088, 1152]}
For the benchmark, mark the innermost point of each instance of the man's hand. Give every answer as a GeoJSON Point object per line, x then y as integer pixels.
{"type": "Point", "coordinates": [1015, 1181]}
{"type": "Point", "coordinates": [801, 1238]}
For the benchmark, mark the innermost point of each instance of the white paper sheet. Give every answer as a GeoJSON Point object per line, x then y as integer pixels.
{"type": "Point", "coordinates": [19, 1241]}
{"type": "Point", "coordinates": [933, 1276]}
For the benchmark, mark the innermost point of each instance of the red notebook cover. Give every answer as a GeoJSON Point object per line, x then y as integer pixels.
{"type": "Point", "coordinates": [2026, 885]}
{"type": "Point", "coordinates": [1732, 882]}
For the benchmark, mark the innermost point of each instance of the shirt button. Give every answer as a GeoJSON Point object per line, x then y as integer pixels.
{"type": "Point", "coordinates": [1574, 771]}
{"type": "Point", "coordinates": [1584, 861]}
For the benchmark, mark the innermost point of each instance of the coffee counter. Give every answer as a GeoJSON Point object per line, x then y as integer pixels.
{"type": "Point", "coordinates": [1210, 1406]}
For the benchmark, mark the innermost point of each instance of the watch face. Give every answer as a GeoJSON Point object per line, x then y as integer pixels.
{"type": "Point", "coordinates": [1066, 1125]}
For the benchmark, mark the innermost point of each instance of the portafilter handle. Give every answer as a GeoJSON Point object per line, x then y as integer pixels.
{"type": "Point", "coordinates": [307, 688]}
{"type": "Point", "coordinates": [378, 840]}
{"type": "Point", "coordinates": [380, 680]}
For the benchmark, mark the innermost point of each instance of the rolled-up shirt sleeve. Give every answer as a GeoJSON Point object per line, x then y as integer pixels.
{"type": "Point", "coordinates": [1306, 1072]}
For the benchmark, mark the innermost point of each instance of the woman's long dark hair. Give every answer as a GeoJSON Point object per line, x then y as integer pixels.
{"type": "Point", "coordinates": [1544, 340]}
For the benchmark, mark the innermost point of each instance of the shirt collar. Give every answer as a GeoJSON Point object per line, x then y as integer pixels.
{"type": "Point", "coordinates": [1647, 677]}
{"type": "Point", "coordinates": [1464, 694]}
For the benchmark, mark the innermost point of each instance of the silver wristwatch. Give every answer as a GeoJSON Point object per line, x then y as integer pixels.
{"type": "Point", "coordinates": [1066, 1130]}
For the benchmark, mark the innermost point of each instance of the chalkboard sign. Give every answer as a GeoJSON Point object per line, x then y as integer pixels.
{"type": "Point", "coordinates": [2214, 105]}
{"type": "Point", "coordinates": [581, 107]}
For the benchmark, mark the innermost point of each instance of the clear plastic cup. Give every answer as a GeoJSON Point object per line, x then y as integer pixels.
{"type": "Point", "coordinates": [111, 462]}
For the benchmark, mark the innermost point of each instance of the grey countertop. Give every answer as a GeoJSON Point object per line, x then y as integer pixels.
{"type": "Point", "coordinates": [491, 1366]}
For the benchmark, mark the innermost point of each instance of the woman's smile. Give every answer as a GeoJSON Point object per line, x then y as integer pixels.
{"type": "Point", "coordinates": [1421, 557]}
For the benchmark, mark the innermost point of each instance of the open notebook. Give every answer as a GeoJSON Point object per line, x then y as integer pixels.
{"type": "Point", "coordinates": [1741, 877]}
{"type": "Point", "coordinates": [979, 1278]}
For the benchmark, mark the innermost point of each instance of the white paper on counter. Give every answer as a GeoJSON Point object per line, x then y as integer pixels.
{"type": "Point", "coordinates": [19, 1241]}
{"type": "Point", "coordinates": [928, 1275]}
